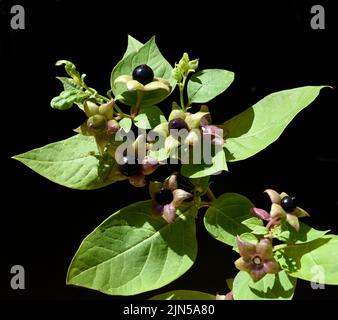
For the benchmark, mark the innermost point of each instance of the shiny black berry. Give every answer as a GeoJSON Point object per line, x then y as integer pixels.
{"type": "Point", "coordinates": [177, 124]}
{"type": "Point", "coordinates": [288, 204]}
{"type": "Point", "coordinates": [143, 74]}
{"type": "Point", "coordinates": [129, 167]}
{"type": "Point", "coordinates": [164, 196]}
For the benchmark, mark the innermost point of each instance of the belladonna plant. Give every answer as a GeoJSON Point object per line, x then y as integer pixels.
{"type": "Point", "coordinates": [149, 244]}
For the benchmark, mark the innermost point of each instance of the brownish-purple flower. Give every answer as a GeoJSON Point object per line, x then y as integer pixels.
{"type": "Point", "coordinates": [256, 259]}
{"type": "Point", "coordinates": [166, 198]}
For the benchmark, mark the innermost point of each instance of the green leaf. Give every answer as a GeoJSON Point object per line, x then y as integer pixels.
{"type": "Point", "coordinates": [66, 99]}
{"type": "Point", "coordinates": [278, 286]}
{"type": "Point", "coordinates": [148, 54]}
{"type": "Point", "coordinates": [312, 261]}
{"type": "Point", "coordinates": [201, 184]}
{"type": "Point", "coordinates": [68, 162]}
{"type": "Point", "coordinates": [133, 252]}
{"type": "Point", "coordinates": [184, 295]}
{"type": "Point", "coordinates": [247, 237]}
{"type": "Point", "coordinates": [126, 124]}
{"type": "Point", "coordinates": [192, 170]}
{"type": "Point", "coordinates": [149, 117]}
{"type": "Point", "coordinates": [257, 127]}
{"type": "Point", "coordinates": [230, 283]}
{"type": "Point", "coordinates": [256, 225]}
{"type": "Point", "coordinates": [70, 69]}
{"type": "Point", "coordinates": [223, 219]}
{"type": "Point", "coordinates": [69, 84]}
{"type": "Point", "coordinates": [205, 85]}
{"type": "Point", "coordinates": [286, 233]}
{"type": "Point", "coordinates": [133, 46]}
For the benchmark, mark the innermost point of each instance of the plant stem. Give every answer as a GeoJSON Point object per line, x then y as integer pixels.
{"type": "Point", "coordinates": [136, 108]}
{"type": "Point", "coordinates": [95, 93]}
{"type": "Point", "coordinates": [211, 195]}
{"type": "Point", "coordinates": [121, 113]}
{"type": "Point", "coordinates": [181, 87]}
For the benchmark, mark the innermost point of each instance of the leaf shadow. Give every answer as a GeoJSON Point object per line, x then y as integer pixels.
{"type": "Point", "coordinates": [271, 293]}
{"type": "Point", "coordinates": [293, 264]}
{"type": "Point", "coordinates": [195, 78]}
{"type": "Point", "coordinates": [170, 233]}
{"type": "Point", "coordinates": [185, 226]}
{"type": "Point", "coordinates": [301, 235]}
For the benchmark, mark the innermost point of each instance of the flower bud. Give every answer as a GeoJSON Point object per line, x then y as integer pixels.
{"type": "Point", "coordinates": [193, 65]}
{"type": "Point", "coordinates": [177, 74]}
{"type": "Point", "coordinates": [194, 119]}
{"type": "Point", "coordinates": [97, 123]}
{"type": "Point", "coordinates": [90, 108]}
{"type": "Point", "coordinates": [161, 129]}
{"type": "Point", "coordinates": [112, 126]}
{"type": "Point", "coordinates": [177, 113]}
{"type": "Point", "coordinates": [204, 108]}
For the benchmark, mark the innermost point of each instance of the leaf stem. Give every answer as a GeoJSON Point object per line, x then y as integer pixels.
{"type": "Point", "coordinates": [121, 113]}
{"type": "Point", "coordinates": [181, 87]}
{"type": "Point", "coordinates": [136, 108]}
{"type": "Point", "coordinates": [211, 195]}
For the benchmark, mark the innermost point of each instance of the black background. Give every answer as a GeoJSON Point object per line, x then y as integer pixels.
{"type": "Point", "coordinates": [270, 47]}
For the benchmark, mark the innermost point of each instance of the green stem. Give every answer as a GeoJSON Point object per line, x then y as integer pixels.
{"type": "Point", "coordinates": [95, 93]}
{"type": "Point", "coordinates": [181, 87]}
{"type": "Point", "coordinates": [121, 113]}
{"type": "Point", "coordinates": [135, 110]}
{"type": "Point", "coordinates": [211, 195]}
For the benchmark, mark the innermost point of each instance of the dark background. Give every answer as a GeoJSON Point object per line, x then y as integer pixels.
{"type": "Point", "coordinates": [270, 47]}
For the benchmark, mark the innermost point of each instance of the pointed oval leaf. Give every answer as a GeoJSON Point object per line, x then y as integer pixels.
{"type": "Point", "coordinates": [196, 170]}
{"type": "Point", "coordinates": [149, 117]}
{"type": "Point", "coordinates": [257, 127]}
{"type": "Point", "coordinates": [133, 252]}
{"type": "Point", "coordinates": [286, 233]}
{"type": "Point", "coordinates": [278, 286]}
{"type": "Point", "coordinates": [205, 85]}
{"type": "Point", "coordinates": [148, 54]}
{"type": "Point", "coordinates": [184, 295]}
{"type": "Point", "coordinates": [68, 162]}
{"type": "Point", "coordinates": [68, 98]}
{"type": "Point", "coordinates": [223, 219]}
{"type": "Point", "coordinates": [133, 46]}
{"type": "Point", "coordinates": [126, 124]}
{"type": "Point", "coordinates": [255, 225]}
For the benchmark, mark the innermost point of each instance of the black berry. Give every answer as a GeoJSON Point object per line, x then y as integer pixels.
{"type": "Point", "coordinates": [143, 74]}
{"type": "Point", "coordinates": [129, 166]}
{"type": "Point", "coordinates": [164, 196]}
{"type": "Point", "coordinates": [177, 124]}
{"type": "Point", "coordinates": [288, 204]}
